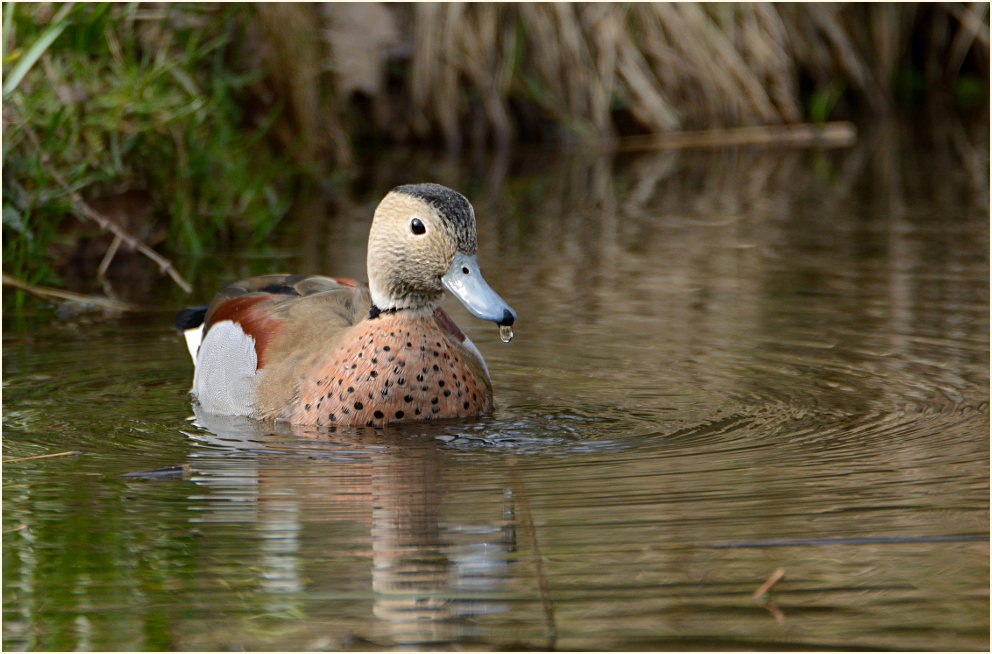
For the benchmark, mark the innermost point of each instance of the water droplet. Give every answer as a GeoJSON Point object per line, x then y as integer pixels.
{"type": "Point", "coordinates": [505, 333]}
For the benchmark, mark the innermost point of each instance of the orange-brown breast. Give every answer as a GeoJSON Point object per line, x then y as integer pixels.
{"type": "Point", "coordinates": [389, 369]}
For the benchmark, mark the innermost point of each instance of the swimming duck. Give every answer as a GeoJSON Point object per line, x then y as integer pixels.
{"type": "Point", "coordinates": [318, 351]}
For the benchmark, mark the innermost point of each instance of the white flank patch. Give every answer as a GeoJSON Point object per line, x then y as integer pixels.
{"type": "Point", "coordinates": [226, 367]}
{"type": "Point", "coordinates": [193, 338]}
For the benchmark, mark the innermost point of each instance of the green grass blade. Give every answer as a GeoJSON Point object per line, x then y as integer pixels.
{"type": "Point", "coordinates": [8, 17]}
{"type": "Point", "coordinates": [31, 57]}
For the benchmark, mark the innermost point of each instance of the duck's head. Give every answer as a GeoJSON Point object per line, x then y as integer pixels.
{"type": "Point", "coordinates": [423, 241]}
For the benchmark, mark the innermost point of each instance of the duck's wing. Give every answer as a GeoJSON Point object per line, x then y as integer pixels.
{"type": "Point", "coordinates": [264, 307]}
{"type": "Point", "coordinates": [270, 320]}
{"type": "Point", "coordinates": [255, 301]}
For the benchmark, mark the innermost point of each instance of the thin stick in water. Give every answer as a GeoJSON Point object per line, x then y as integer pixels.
{"type": "Point", "coordinates": [43, 456]}
{"type": "Point", "coordinates": [58, 293]}
{"type": "Point", "coordinates": [527, 522]}
{"type": "Point", "coordinates": [771, 581]}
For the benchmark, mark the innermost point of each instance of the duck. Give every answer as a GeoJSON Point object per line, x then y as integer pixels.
{"type": "Point", "coordinates": [317, 351]}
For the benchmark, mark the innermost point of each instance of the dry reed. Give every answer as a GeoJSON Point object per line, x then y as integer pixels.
{"type": "Point", "coordinates": [493, 72]}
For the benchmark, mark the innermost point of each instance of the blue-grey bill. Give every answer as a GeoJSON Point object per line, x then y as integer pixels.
{"type": "Point", "coordinates": [466, 283]}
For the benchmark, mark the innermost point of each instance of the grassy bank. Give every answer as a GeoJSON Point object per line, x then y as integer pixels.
{"type": "Point", "coordinates": [134, 116]}
{"type": "Point", "coordinates": [188, 127]}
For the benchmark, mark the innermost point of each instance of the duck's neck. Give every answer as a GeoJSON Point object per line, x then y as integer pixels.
{"type": "Point", "coordinates": [411, 304]}
{"type": "Point", "coordinates": [421, 311]}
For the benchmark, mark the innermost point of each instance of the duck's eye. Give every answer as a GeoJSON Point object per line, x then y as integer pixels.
{"type": "Point", "coordinates": [417, 227]}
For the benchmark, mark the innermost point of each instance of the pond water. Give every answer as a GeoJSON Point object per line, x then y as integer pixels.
{"type": "Point", "coordinates": [726, 362]}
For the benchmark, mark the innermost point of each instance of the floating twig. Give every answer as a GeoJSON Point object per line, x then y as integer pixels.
{"type": "Point", "coordinates": [43, 456]}
{"type": "Point", "coordinates": [761, 595]}
{"type": "Point", "coordinates": [49, 292]}
{"type": "Point", "coordinates": [86, 211]}
{"type": "Point", "coordinates": [771, 581]}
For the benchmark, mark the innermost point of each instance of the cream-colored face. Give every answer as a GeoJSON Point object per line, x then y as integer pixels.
{"type": "Point", "coordinates": [411, 246]}
{"type": "Point", "coordinates": [422, 242]}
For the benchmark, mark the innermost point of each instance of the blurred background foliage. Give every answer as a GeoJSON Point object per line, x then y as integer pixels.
{"type": "Point", "coordinates": [192, 126]}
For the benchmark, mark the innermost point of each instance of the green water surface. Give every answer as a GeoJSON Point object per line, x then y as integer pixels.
{"type": "Point", "coordinates": [726, 362]}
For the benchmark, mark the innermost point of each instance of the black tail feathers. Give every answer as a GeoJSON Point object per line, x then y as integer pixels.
{"type": "Point", "coordinates": [190, 317]}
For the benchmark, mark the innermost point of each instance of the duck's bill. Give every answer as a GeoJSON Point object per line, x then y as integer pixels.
{"type": "Point", "coordinates": [465, 282]}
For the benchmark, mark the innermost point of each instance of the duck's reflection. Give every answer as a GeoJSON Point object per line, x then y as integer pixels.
{"type": "Point", "coordinates": [429, 575]}
{"type": "Point", "coordinates": [426, 576]}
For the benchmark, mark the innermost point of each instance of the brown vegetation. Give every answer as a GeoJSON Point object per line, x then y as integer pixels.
{"type": "Point", "coordinates": [490, 73]}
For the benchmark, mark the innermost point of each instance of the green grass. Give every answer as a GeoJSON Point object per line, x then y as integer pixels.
{"type": "Point", "coordinates": [126, 97]}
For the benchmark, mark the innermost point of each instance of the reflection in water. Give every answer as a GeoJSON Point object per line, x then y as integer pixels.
{"type": "Point", "coordinates": [427, 576]}
{"type": "Point", "coordinates": [422, 578]}
{"type": "Point", "coordinates": [747, 346]}
{"type": "Point", "coordinates": [726, 362]}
